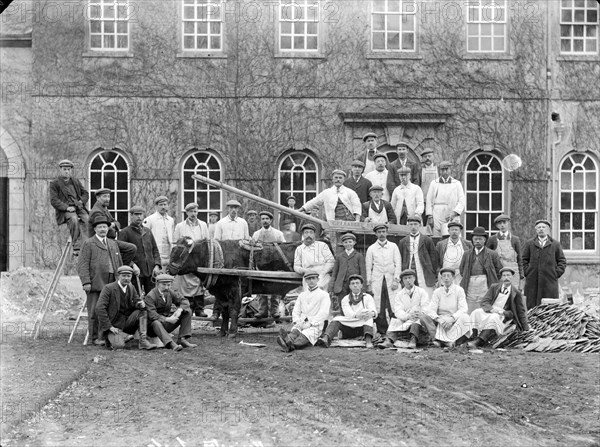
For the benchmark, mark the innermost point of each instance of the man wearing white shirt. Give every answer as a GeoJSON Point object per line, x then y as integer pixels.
{"type": "Point", "coordinates": [161, 225]}
{"type": "Point", "coordinates": [408, 305]}
{"type": "Point", "coordinates": [232, 227]}
{"type": "Point", "coordinates": [445, 201]}
{"type": "Point", "coordinates": [383, 275]}
{"type": "Point", "coordinates": [407, 198]}
{"type": "Point", "coordinates": [339, 201]}
{"type": "Point", "coordinates": [429, 171]}
{"type": "Point", "coordinates": [501, 305]}
{"type": "Point", "coordinates": [189, 284]}
{"type": "Point", "coordinates": [451, 250]}
{"type": "Point", "coordinates": [379, 176]}
{"type": "Point", "coordinates": [314, 256]}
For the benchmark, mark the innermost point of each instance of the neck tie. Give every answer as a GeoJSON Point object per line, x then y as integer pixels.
{"type": "Point", "coordinates": [504, 290]}
{"type": "Point", "coordinates": [501, 237]}
{"type": "Point", "coordinates": [104, 242]}
{"type": "Point", "coordinates": [447, 289]}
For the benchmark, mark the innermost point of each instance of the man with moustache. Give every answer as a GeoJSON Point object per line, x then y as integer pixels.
{"type": "Point", "coordinates": [101, 208]}
{"type": "Point", "coordinates": [445, 201]}
{"type": "Point", "coordinates": [501, 305]}
{"type": "Point", "coordinates": [161, 225]}
{"type": "Point", "coordinates": [508, 247]}
{"type": "Point", "coordinates": [69, 197]}
{"type": "Point", "coordinates": [480, 268]}
{"type": "Point", "coordinates": [407, 198]}
{"type": "Point", "coordinates": [379, 176]}
{"type": "Point", "coordinates": [377, 210]}
{"type": "Point", "coordinates": [451, 250]}
{"type": "Point", "coordinates": [429, 171]}
{"type": "Point", "coordinates": [393, 180]}
{"type": "Point", "coordinates": [339, 202]}
{"type": "Point", "coordinates": [147, 257]}
{"type": "Point", "coordinates": [357, 181]}
{"type": "Point", "coordinates": [315, 256]}
{"type": "Point", "coordinates": [544, 263]}
{"type": "Point", "coordinates": [232, 227]}
{"type": "Point", "coordinates": [253, 221]}
{"type": "Point", "coordinates": [370, 140]}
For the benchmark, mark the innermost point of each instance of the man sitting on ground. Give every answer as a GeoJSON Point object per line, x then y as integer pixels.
{"type": "Point", "coordinates": [358, 312]}
{"type": "Point", "coordinates": [408, 306]}
{"type": "Point", "coordinates": [308, 317]}
{"type": "Point", "coordinates": [163, 320]}
{"type": "Point", "coordinates": [502, 304]}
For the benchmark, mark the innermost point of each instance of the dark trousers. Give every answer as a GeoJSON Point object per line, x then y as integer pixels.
{"type": "Point", "coordinates": [428, 323]}
{"type": "Point", "coordinates": [77, 224]}
{"type": "Point", "coordinates": [382, 320]}
{"type": "Point", "coordinates": [263, 306]}
{"type": "Point", "coordinates": [163, 329]}
{"type": "Point", "coordinates": [146, 283]}
{"type": "Point", "coordinates": [347, 332]}
{"type": "Point", "coordinates": [417, 330]}
{"type": "Point", "coordinates": [134, 322]}
{"type": "Point", "coordinates": [92, 300]}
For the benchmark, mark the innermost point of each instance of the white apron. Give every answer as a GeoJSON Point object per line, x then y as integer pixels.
{"type": "Point", "coordinates": [477, 288]}
{"type": "Point", "coordinates": [508, 257]}
{"type": "Point", "coordinates": [452, 258]}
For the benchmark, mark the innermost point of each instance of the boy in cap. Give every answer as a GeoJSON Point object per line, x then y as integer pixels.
{"type": "Point", "coordinates": [232, 227]}
{"type": "Point", "coordinates": [407, 198]}
{"type": "Point", "coordinates": [377, 210]}
{"type": "Point", "coordinates": [357, 181]}
{"type": "Point", "coordinates": [163, 319]}
{"type": "Point", "coordinates": [120, 311]}
{"type": "Point", "coordinates": [308, 317]}
{"type": "Point", "coordinates": [213, 218]}
{"type": "Point", "coordinates": [189, 285]}
{"type": "Point", "coordinates": [348, 262]}
{"type": "Point", "coordinates": [162, 226]}
{"type": "Point", "coordinates": [379, 176]}
{"type": "Point", "coordinates": [445, 201]}
{"type": "Point", "coordinates": [508, 247]}
{"type": "Point", "coordinates": [339, 202]}
{"type": "Point", "coordinates": [356, 320]}
{"type": "Point", "coordinates": [69, 197]}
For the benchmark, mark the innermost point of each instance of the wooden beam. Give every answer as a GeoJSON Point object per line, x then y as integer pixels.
{"type": "Point", "coordinates": [258, 274]}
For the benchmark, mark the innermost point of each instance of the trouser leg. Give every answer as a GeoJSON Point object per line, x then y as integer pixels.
{"type": "Point", "coordinates": [263, 306]}
{"type": "Point", "coordinates": [299, 339]}
{"type": "Point", "coordinates": [274, 308]}
{"type": "Point", "coordinates": [428, 323]}
{"type": "Point", "coordinates": [157, 329]}
{"type": "Point", "coordinates": [185, 321]}
{"type": "Point", "coordinates": [92, 300]}
{"type": "Point", "coordinates": [332, 329]}
{"type": "Point", "coordinates": [74, 229]}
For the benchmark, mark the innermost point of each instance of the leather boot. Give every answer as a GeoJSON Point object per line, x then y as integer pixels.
{"type": "Point", "coordinates": [144, 343]}
{"type": "Point", "coordinates": [199, 306]}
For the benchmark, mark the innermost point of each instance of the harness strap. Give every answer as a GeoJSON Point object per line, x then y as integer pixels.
{"type": "Point", "coordinates": [280, 251]}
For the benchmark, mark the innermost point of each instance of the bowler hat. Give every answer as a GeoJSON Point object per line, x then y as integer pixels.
{"type": "Point", "coordinates": [100, 219]}
{"type": "Point", "coordinates": [65, 162]}
{"type": "Point", "coordinates": [356, 276]}
{"type": "Point", "coordinates": [480, 231]}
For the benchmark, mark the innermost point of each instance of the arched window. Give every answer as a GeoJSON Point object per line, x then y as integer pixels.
{"type": "Point", "coordinates": [578, 206]}
{"type": "Point", "coordinates": [484, 186]}
{"type": "Point", "coordinates": [298, 176]}
{"type": "Point", "coordinates": [208, 198]}
{"type": "Point", "coordinates": [110, 169]}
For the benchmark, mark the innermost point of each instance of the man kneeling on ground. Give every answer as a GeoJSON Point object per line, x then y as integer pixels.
{"type": "Point", "coordinates": [502, 304]}
{"type": "Point", "coordinates": [358, 312]}
{"type": "Point", "coordinates": [408, 306]}
{"type": "Point", "coordinates": [163, 320]}
{"type": "Point", "coordinates": [309, 315]}
{"type": "Point", "coordinates": [120, 311]}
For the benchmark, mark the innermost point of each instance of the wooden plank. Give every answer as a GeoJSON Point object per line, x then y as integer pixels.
{"type": "Point", "coordinates": [259, 274]}
{"type": "Point", "coordinates": [245, 320]}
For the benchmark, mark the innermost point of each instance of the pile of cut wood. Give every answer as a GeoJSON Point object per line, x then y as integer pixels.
{"type": "Point", "coordinates": [555, 328]}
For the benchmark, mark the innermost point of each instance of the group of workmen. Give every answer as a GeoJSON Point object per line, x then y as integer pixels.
{"type": "Point", "coordinates": [445, 292]}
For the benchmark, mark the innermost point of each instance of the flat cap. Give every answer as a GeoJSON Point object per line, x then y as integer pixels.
{"type": "Point", "coordinates": [308, 226]}
{"type": "Point", "coordinates": [507, 269]}
{"type": "Point", "coordinates": [357, 163]}
{"type": "Point", "coordinates": [100, 219]}
{"type": "Point", "coordinates": [309, 273]}
{"type": "Point", "coordinates": [103, 191]}
{"type": "Point", "coordinates": [408, 272]}
{"type": "Point", "coordinates": [125, 269]}
{"type": "Point", "coordinates": [160, 199]}
{"type": "Point", "coordinates": [356, 276]}
{"type": "Point", "coordinates": [214, 213]}
{"type": "Point", "coordinates": [404, 170]}
{"type": "Point", "coordinates": [501, 218]}
{"type": "Point", "coordinates": [380, 155]}
{"type": "Point", "coordinates": [402, 144]}
{"type": "Point", "coordinates": [163, 277]}
{"type": "Point", "coordinates": [191, 206]}
{"type": "Point", "coordinates": [290, 197]}
{"type": "Point", "coordinates": [447, 270]}
{"type": "Point", "coordinates": [137, 210]}
{"type": "Point", "coordinates": [376, 188]}
{"type": "Point", "coordinates": [339, 172]}
{"type": "Point", "coordinates": [455, 224]}
{"type": "Point", "coordinates": [287, 222]}
{"type": "Point", "coordinates": [426, 151]}
{"type": "Point", "coordinates": [415, 218]}
{"type": "Point", "coordinates": [480, 231]}
{"type": "Point", "coordinates": [544, 221]}
{"type": "Point", "coordinates": [379, 226]}
{"type": "Point", "coordinates": [251, 212]}
{"type": "Point", "coordinates": [266, 213]}
{"type": "Point", "coordinates": [348, 236]}
{"type": "Point", "coordinates": [233, 202]}
{"type": "Point", "coordinates": [445, 165]}
{"type": "Point", "coordinates": [369, 134]}
{"type": "Point", "coordinates": [65, 162]}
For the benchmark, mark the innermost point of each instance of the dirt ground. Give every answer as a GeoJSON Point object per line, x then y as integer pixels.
{"type": "Point", "coordinates": [226, 394]}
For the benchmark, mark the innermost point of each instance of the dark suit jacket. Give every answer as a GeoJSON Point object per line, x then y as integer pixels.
{"type": "Point", "coordinates": [60, 200]}
{"type": "Point", "coordinates": [94, 261]}
{"type": "Point", "coordinates": [109, 301]}
{"type": "Point", "coordinates": [99, 210]}
{"type": "Point", "coordinates": [393, 180]}
{"type": "Point", "coordinates": [442, 246]}
{"type": "Point", "coordinates": [385, 204]}
{"type": "Point", "coordinates": [492, 244]}
{"type": "Point", "coordinates": [345, 266]}
{"type": "Point", "coordinates": [513, 309]}
{"type": "Point", "coordinates": [491, 265]}
{"type": "Point", "coordinates": [159, 309]}
{"type": "Point", "coordinates": [147, 255]}
{"type": "Point", "coordinates": [361, 188]}
{"type": "Point", "coordinates": [427, 256]}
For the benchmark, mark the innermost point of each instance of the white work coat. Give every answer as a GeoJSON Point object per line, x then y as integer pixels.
{"type": "Point", "coordinates": [378, 178]}
{"type": "Point", "coordinates": [444, 197]}
{"type": "Point", "coordinates": [382, 261]}
{"type": "Point", "coordinates": [328, 199]}
{"type": "Point", "coordinates": [413, 195]}
{"type": "Point", "coordinates": [403, 303]}
{"type": "Point", "coordinates": [316, 256]}
{"type": "Point", "coordinates": [349, 318]}
{"type": "Point", "coordinates": [231, 229]}
{"type": "Point", "coordinates": [162, 230]}
{"type": "Point", "coordinates": [312, 308]}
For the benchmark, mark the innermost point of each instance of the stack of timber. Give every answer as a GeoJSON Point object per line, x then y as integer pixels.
{"type": "Point", "coordinates": [555, 328]}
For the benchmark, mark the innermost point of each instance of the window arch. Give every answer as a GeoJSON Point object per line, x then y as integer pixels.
{"type": "Point", "coordinates": [484, 191]}
{"type": "Point", "coordinates": [110, 169]}
{"type": "Point", "coordinates": [298, 175]}
{"type": "Point", "coordinates": [578, 207]}
{"type": "Point", "coordinates": [208, 198]}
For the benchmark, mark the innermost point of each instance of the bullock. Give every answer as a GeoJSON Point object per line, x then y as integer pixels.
{"type": "Point", "coordinates": [187, 256]}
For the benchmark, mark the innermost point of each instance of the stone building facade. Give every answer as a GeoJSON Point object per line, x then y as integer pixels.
{"type": "Point", "coordinates": [270, 97]}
